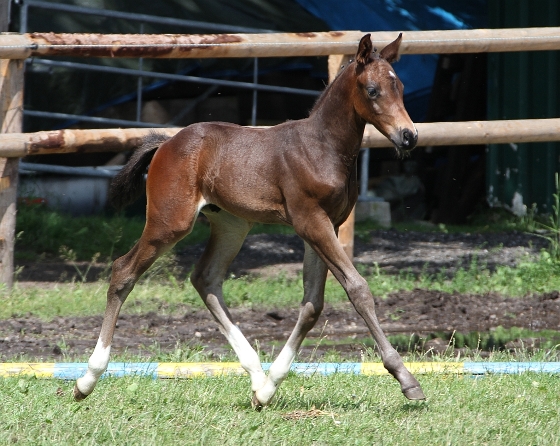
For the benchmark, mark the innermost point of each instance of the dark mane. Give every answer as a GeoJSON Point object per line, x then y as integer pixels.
{"type": "Point", "coordinates": [326, 91]}
{"type": "Point", "coordinates": [373, 56]}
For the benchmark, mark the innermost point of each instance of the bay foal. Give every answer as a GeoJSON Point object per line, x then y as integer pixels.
{"type": "Point", "coordinates": [300, 173]}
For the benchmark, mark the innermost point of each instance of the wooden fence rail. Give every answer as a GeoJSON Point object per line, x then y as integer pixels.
{"type": "Point", "coordinates": [22, 46]}
{"type": "Point", "coordinates": [18, 145]}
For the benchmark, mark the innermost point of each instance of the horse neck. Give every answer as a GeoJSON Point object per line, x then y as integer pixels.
{"type": "Point", "coordinates": [334, 114]}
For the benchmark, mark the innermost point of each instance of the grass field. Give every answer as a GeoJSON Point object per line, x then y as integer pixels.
{"type": "Point", "coordinates": [78, 299]}
{"type": "Point", "coordinates": [42, 232]}
{"type": "Point", "coordinates": [334, 410]}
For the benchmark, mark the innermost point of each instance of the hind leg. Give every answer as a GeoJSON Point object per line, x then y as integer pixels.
{"type": "Point", "coordinates": [314, 277]}
{"type": "Point", "coordinates": [156, 239]}
{"type": "Point", "coordinates": [227, 235]}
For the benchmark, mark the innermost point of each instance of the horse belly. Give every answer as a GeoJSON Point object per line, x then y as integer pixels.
{"type": "Point", "coordinates": [246, 196]}
{"type": "Point", "coordinates": [240, 172]}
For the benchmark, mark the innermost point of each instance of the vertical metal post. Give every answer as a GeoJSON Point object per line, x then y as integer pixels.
{"type": "Point", "coordinates": [24, 8]}
{"type": "Point", "coordinates": [11, 115]}
{"type": "Point", "coordinates": [139, 85]}
{"type": "Point", "coordinates": [4, 14]}
{"type": "Point", "coordinates": [364, 174]}
{"type": "Point", "coordinates": [255, 81]}
{"type": "Point", "coordinates": [346, 230]}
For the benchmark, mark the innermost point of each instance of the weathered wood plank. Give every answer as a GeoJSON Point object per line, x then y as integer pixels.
{"type": "Point", "coordinates": [11, 115]}
{"type": "Point", "coordinates": [22, 46]}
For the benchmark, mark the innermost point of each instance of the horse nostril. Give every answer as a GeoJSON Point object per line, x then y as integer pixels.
{"type": "Point", "coordinates": [408, 138]}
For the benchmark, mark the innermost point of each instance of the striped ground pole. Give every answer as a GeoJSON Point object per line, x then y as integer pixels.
{"type": "Point", "coordinates": [71, 371]}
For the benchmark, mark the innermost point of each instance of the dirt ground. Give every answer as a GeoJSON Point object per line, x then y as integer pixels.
{"type": "Point", "coordinates": [339, 328]}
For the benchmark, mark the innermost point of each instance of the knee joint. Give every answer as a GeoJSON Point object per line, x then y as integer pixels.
{"type": "Point", "coordinates": [196, 279]}
{"type": "Point", "coordinates": [359, 293]}
{"type": "Point", "coordinates": [202, 281]}
{"type": "Point", "coordinates": [310, 312]}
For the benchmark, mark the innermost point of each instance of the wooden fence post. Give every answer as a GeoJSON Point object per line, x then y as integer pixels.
{"type": "Point", "coordinates": [11, 112]}
{"type": "Point", "coordinates": [346, 230]}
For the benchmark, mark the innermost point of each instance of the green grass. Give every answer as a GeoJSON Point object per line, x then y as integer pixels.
{"type": "Point", "coordinates": [334, 410]}
{"type": "Point", "coordinates": [44, 232]}
{"type": "Point", "coordinates": [78, 299]}
{"type": "Point", "coordinates": [41, 232]}
{"type": "Point", "coordinates": [472, 343]}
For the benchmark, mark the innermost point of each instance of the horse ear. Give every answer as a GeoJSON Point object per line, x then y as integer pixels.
{"type": "Point", "coordinates": [364, 50]}
{"type": "Point", "coordinates": [391, 52]}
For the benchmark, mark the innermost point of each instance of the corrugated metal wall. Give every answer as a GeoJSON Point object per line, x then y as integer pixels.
{"type": "Point", "coordinates": [523, 85]}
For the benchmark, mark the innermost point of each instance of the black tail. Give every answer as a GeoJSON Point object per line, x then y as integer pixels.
{"type": "Point", "coordinates": [128, 184]}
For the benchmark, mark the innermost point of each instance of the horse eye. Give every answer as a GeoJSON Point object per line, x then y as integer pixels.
{"type": "Point", "coordinates": [372, 92]}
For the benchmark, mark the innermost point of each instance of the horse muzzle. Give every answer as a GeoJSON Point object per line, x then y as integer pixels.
{"type": "Point", "coordinates": [405, 140]}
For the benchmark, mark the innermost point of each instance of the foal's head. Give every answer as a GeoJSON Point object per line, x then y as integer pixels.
{"type": "Point", "coordinates": [378, 98]}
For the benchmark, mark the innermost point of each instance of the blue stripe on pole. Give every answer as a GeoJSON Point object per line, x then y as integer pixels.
{"type": "Point", "coordinates": [481, 368]}
{"type": "Point", "coordinates": [74, 370]}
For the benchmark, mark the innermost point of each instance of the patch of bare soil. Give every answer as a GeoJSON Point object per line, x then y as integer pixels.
{"type": "Point", "coordinates": [339, 328]}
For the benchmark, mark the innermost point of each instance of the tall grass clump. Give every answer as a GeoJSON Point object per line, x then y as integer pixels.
{"type": "Point", "coordinates": [550, 230]}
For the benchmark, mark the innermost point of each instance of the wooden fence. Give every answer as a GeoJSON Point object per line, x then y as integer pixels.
{"type": "Point", "coordinates": [22, 46]}
{"type": "Point", "coordinates": [16, 47]}
{"type": "Point", "coordinates": [18, 145]}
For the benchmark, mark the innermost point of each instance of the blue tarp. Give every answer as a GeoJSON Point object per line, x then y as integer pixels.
{"type": "Point", "coordinates": [416, 71]}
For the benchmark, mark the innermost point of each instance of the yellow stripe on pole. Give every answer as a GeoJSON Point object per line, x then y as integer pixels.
{"type": "Point", "coordinates": [198, 369]}
{"type": "Point", "coordinates": [38, 370]}
{"type": "Point", "coordinates": [435, 367]}
{"type": "Point", "coordinates": [375, 368]}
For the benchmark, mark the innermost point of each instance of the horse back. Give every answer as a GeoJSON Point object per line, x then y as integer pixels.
{"type": "Point", "coordinates": [227, 165]}
{"type": "Point", "coordinates": [256, 173]}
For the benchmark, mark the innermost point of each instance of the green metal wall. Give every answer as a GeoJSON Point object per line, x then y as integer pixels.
{"type": "Point", "coordinates": [523, 85]}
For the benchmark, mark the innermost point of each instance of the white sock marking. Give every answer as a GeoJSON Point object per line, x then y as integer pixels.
{"type": "Point", "coordinates": [276, 374]}
{"type": "Point", "coordinates": [247, 356]}
{"type": "Point", "coordinates": [97, 364]}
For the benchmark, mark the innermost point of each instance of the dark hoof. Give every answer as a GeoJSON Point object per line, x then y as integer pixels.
{"type": "Point", "coordinates": [78, 396]}
{"type": "Point", "coordinates": [255, 403]}
{"type": "Point", "coordinates": [414, 393]}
